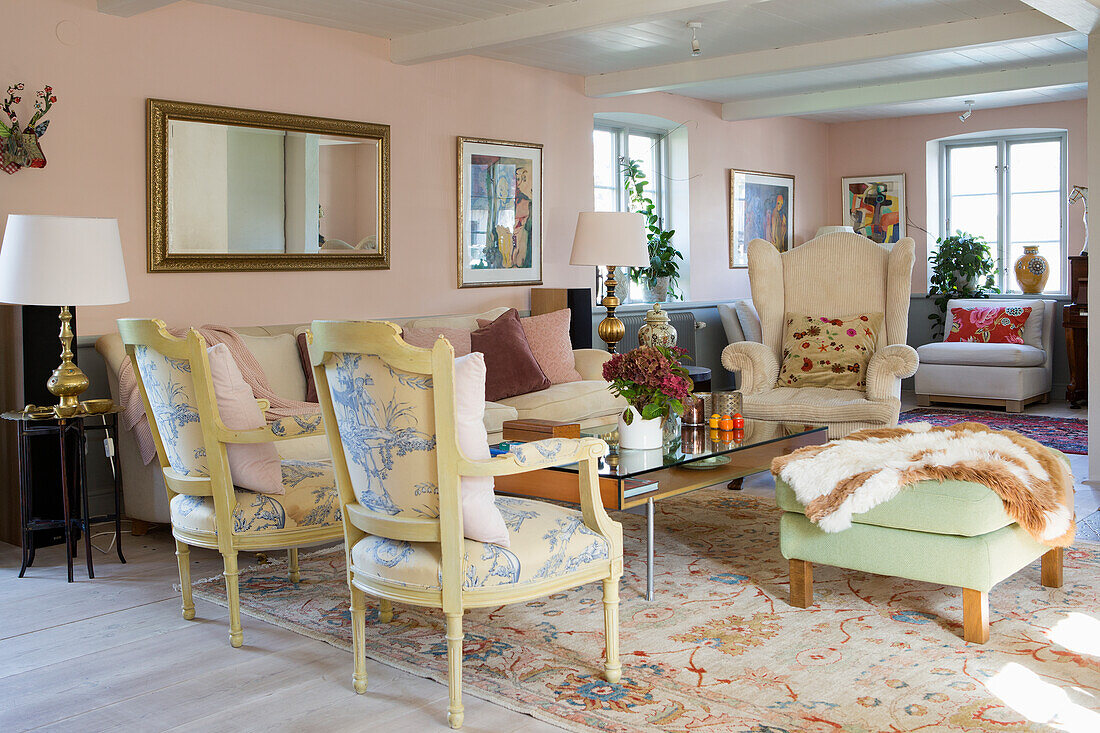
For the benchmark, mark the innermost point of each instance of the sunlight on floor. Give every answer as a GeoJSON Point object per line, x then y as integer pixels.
{"type": "Point", "coordinates": [1079, 633]}
{"type": "Point", "coordinates": [1041, 702]}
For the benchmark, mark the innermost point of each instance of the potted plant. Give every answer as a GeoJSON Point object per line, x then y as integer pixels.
{"type": "Point", "coordinates": [663, 271]}
{"type": "Point", "coordinates": [654, 385]}
{"type": "Point", "coordinates": [962, 267]}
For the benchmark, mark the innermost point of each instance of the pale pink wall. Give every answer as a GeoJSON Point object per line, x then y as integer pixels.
{"type": "Point", "coordinates": [185, 51]}
{"type": "Point", "coordinates": [338, 192]}
{"type": "Point", "coordinates": [898, 145]}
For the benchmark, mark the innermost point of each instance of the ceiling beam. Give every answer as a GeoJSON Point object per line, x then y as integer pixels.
{"type": "Point", "coordinates": [541, 24]}
{"type": "Point", "coordinates": [940, 87]}
{"type": "Point", "coordinates": [126, 8]}
{"type": "Point", "coordinates": [1081, 15]}
{"type": "Point", "coordinates": [907, 42]}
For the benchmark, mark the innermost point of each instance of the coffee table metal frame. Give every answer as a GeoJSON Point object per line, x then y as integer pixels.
{"type": "Point", "coordinates": [672, 479]}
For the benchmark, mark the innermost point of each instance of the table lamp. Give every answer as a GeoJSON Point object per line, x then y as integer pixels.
{"type": "Point", "coordinates": [610, 239]}
{"type": "Point", "coordinates": [822, 231]}
{"type": "Point", "coordinates": [62, 261]}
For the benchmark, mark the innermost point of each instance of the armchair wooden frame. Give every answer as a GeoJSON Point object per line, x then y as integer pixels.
{"type": "Point", "coordinates": [219, 483]}
{"type": "Point", "coordinates": [383, 340]}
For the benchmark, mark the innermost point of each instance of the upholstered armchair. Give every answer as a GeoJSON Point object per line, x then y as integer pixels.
{"type": "Point", "coordinates": [207, 510]}
{"type": "Point", "coordinates": [390, 414]}
{"type": "Point", "coordinates": [835, 275]}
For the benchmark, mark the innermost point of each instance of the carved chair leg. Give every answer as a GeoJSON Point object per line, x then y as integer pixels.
{"type": "Point", "coordinates": [975, 616]}
{"type": "Point", "coordinates": [292, 564]}
{"type": "Point", "coordinates": [454, 669]}
{"type": "Point", "coordinates": [612, 668]}
{"type": "Point", "coordinates": [385, 610]}
{"type": "Point", "coordinates": [359, 639]}
{"type": "Point", "coordinates": [802, 583]}
{"type": "Point", "coordinates": [183, 559]}
{"type": "Point", "coordinates": [1052, 568]}
{"type": "Point", "coordinates": [232, 592]}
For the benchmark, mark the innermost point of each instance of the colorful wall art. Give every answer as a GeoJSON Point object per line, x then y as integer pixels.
{"type": "Point", "coordinates": [761, 207]}
{"type": "Point", "coordinates": [875, 206]}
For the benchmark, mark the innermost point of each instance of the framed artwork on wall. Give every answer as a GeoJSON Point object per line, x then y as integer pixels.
{"type": "Point", "coordinates": [499, 213]}
{"type": "Point", "coordinates": [875, 206]}
{"type": "Point", "coordinates": [761, 207]}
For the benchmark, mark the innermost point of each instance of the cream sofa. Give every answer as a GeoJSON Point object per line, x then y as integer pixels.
{"type": "Point", "coordinates": [588, 402]}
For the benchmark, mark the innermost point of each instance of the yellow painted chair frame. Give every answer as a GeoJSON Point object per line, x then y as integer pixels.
{"type": "Point", "coordinates": [218, 484]}
{"type": "Point", "coordinates": [383, 340]}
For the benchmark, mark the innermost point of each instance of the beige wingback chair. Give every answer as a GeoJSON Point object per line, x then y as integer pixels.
{"type": "Point", "coordinates": [833, 275]}
{"type": "Point", "coordinates": [173, 375]}
{"type": "Point", "coordinates": [390, 411]}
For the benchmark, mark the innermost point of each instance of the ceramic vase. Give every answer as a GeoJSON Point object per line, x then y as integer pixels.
{"type": "Point", "coordinates": [640, 434]}
{"type": "Point", "coordinates": [657, 331]}
{"type": "Point", "coordinates": [1032, 271]}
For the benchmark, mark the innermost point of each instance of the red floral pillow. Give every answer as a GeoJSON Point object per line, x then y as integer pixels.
{"type": "Point", "coordinates": [988, 325]}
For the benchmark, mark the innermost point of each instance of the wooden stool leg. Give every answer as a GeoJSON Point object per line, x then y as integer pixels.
{"type": "Point", "coordinates": [1052, 568]}
{"type": "Point", "coordinates": [802, 583]}
{"type": "Point", "coordinates": [975, 616]}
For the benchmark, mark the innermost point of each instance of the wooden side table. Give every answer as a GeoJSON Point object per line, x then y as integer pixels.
{"type": "Point", "coordinates": [28, 427]}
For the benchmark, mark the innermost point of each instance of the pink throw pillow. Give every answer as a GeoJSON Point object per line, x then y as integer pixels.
{"type": "Point", "coordinates": [253, 466]}
{"type": "Point", "coordinates": [548, 336]}
{"type": "Point", "coordinates": [425, 338]}
{"type": "Point", "coordinates": [481, 520]}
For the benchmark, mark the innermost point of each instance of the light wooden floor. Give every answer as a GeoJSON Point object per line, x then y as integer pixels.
{"type": "Point", "coordinates": [114, 652]}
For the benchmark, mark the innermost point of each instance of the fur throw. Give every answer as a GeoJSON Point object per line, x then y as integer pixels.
{"type": "Point", "coordinates": [853, 474]}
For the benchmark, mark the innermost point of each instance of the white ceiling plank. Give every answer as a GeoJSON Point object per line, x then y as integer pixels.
{"type": "Point", "coordinates": [905, 92]}
{"type": "Point", "coordinates": [891, 44]}
{"type": "Point", "coordinates": [1081, 15]}
{"type": "Point", "coordinates": [540, 24]}
{"type": "Point", "coordinates": [126, 8]}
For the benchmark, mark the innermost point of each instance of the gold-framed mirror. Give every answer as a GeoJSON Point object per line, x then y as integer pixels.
{"type": "Point", "coordinates": [238, 189]}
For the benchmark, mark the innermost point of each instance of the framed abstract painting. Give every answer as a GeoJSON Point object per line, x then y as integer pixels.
{"type": "Point", "coordinates": [875, 206]}
{"type": "Point", "coordinates": [499, 213]}
{"type": "Point", "coordinates": [761, 207]}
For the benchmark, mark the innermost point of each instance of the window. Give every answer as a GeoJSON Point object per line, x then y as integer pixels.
{"type": "Point", "coordinates": [613, 141]}
{"type": "Point", "coordinates": [1012, 191]}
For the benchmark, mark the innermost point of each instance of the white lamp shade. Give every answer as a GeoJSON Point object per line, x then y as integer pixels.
{"type": "Point", "coordinates": [616, 238]}
{"type": "Point", "coordinates": [62, 260]}
{"type": "Point", "coordinates": [822, 231]}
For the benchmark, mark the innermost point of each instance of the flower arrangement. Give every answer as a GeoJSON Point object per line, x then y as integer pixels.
{"type": "Point", "coordinates": [651, 380]}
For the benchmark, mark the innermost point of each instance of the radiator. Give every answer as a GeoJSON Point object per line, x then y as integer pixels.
{"type": "Point", "coordinates": [682, 321]}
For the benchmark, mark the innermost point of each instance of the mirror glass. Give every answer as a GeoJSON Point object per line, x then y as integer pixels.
{"type": "Point", "coordinates": [242, 190]}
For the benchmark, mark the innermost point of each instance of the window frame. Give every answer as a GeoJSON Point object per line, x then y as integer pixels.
{"type": "Point", "coordinates": [660, 189]}
{"type": "Point", "coordinates": [1004, 199]}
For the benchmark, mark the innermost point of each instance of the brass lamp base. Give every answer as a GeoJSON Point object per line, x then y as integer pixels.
{"type": "Point", "coordinates": [67, 382]}
{"type": "Point", "coordinates": [611, 329]}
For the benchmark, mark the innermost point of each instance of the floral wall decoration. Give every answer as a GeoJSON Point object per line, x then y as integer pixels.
{"type": "Point", "coordinates": [20, 148]}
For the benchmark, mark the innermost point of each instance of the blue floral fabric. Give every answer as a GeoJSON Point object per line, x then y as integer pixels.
{"type": "Point", "coordinates": [171, 391]}
{"type": "Point", "coordinates": [311, 500]}
{"type": "Point", "coordinates": [547, 541]}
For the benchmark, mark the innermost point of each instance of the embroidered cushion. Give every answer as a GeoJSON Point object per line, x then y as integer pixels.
{"type": "Point", "coordinates": [548, 337]}
{"type": "Point", "coordinates": [310, 500]}
{"type": "Point", "coordinates": [481, 519]}
{"type": "Point", "coordinates": [425, 338]}
{"type": "Point", "coordinates": [253, 466]}
{"type": "Point", "coordinates": [547, 541]}
{"type": "Point", "coordinates": [510, 367]}
{"type": "Point", "coordinates": [819, 351]}
{"type": "Point", "coordinates": [992, 325]}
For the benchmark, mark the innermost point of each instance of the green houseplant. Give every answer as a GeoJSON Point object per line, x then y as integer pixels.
{"type": "Point", "coordinates": [664, 271]}
{"type": "Point", "coordinates": [962, 267]}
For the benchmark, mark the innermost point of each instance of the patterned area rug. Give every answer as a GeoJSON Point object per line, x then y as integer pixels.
{"type": "Point", "coordinates": [1067, 434]}
{"type": "Point", "coordinates": [720, 650]}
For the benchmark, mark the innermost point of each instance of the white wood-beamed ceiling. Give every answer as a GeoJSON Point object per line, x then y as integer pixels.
{"type": "Point", "coordinates": [830, 60]}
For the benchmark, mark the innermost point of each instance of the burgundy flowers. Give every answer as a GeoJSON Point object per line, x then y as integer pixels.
{"type": "Point", "coordinates": [651, 379]}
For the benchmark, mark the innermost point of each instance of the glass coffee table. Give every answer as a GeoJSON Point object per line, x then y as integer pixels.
{"type": "Point", "coordinates": [634, 480]}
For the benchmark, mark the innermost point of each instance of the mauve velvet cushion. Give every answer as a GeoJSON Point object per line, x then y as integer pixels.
{"type": "Point", "coordinates": [510, 367]}
{"type": "Point", "coordinates": [425, 338]}
{"type": "Point", "coordinates": [307, 368]}
{"type": "Point", "coordinates": [548, 337]}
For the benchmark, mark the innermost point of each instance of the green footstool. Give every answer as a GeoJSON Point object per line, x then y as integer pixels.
{"type": "Point", "coordinates": [950, 533]}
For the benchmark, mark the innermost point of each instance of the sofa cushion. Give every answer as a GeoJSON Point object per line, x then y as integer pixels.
{"type": "Point", "coordinates": [307, 368]}
{"type": "Point", "coordinates": [481, 520]}
{"type": "Point", "coordinates": [988, 325]}
{"type": "Point", "coordinates": [940, 507]}
{"type": "Point", "coordinates": [548, 336]}
{"type": "Point", "coordinates": [278, 355]}
{"type": "Point", "coordinates": [465, 322]}
{"type": "Point", "coordinates": [975, 354]}
{"type": "Point", "coordinates": [572, 401]}
{"type": "Point", "coordinates": [818, 405]}
{"type": "Point", "coordinates": [511, 367]}
{"type": "Point", "coordinates": [749, 320]}
{"type": "Point", "coordinates": [1033, 327]}
{"type": "Point", "coordinates": [822, 351]}
{"type": "Point", "coordinates": [496, 414]}
{"type": "Point", "coordinates": [425, 338]}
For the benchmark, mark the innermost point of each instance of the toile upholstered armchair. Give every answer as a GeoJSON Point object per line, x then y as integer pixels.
{"type": "Point", "coordinates": [390, 413]}
{"type": "Point", "coordinates": [835, 275]}
{"type": "Point", "coordinates": [207, 510]}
